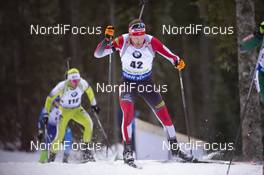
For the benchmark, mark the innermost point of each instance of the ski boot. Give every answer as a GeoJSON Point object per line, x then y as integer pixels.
{"type": "Point", "coordinates": [178, 152]}
{"type": "Point", "coordinates": [87, 154]}
{"type": "Point", "coordinates": [65, 158]}
{"type": "Point", "coordinates": [52, 157]}
{"type": "Point", "coordinates": [128, 154]}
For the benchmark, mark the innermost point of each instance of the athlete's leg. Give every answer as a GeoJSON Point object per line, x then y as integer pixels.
{"type": "Point", "coordinates": [154, 100]}
{"type": "Point", "coordinates": [67, 145]}
{"type": "Point", "coordinates": [51, 133]}
{"type": "Point", "coordinates": [261, 85]}
{"type": "Point", "coordinates": [68, 141]}
{"type": "Point", "coordinates": [126, 101]}
{"type": "Point", "coordinates": [49, 137]}
{"type": "Point", "coordinates": [61, 127]}
{"type": "Point", "coordinates": [83, 118]}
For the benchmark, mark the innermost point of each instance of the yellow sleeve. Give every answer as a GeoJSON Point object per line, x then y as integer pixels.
{"type": "Point", "coordinates": [53, 94]}
{"type": "Point", "coordinates": [90, 94]}
{"type": "Point", "coordinates": [48, 102]}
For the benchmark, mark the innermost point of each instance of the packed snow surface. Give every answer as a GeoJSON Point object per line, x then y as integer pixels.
{"type": "Point", "coordinates": [19, 163]}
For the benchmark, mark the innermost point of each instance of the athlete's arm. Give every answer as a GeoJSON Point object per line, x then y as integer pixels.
{"type": "Point", "coordinates": [105, 48]}
{"type": "Point", "coordinates": [164, 51]}
{"type": "Point", "coordinates": [89, 92]}
{"type": "Point", "coordinates": [41, 123]}
{"type": "Point", "coordinates": [53, 94]}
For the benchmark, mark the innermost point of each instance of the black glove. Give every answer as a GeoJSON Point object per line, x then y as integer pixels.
{"type": "Point", "coordinates": [40, 135]}
{"type": "Point", "coordinates": [45, 119]}
{"type": "Point", "coordinates": [95, 109]}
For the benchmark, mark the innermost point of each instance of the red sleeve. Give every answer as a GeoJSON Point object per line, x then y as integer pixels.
{"type": "Point", "coordinates": [118, 42]}
{"type": "Point", "coordinates": [163, 50]}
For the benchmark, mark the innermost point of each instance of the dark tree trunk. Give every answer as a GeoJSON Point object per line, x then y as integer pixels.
{"type": "Point", "coordinates": [251, 131]}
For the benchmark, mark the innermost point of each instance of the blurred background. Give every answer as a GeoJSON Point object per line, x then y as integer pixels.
{"type": "Point", "coordinates": [31, 65]}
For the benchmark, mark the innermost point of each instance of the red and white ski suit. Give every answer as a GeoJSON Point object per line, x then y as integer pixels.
{"type": "Point", "coordinates": [136, 69]}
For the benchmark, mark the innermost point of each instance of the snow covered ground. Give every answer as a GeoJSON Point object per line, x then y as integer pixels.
{"type": "Point", "coordinates": [19, 163]}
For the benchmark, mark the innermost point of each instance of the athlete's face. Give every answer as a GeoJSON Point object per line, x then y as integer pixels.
{"type": "Point", "coordinates": [137, 41]}
{"type": "Point", "coordinates": [74, 83]}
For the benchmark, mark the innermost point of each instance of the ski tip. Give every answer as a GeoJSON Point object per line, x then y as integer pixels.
{"type": "Point", "coordinates": [133, 165]}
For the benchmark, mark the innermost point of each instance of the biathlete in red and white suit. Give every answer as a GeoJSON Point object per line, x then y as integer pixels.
{"type": "Point", "coordinates": [137, 51]}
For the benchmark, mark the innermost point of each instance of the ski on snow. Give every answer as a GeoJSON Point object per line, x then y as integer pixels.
{"type": "Point", "coordinates": [197, 161]}
{"type": "Point", "coordinates": [132, 164]}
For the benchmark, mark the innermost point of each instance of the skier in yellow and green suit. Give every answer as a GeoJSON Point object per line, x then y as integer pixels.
{"type": "Point", "coordinates": [70, 92]}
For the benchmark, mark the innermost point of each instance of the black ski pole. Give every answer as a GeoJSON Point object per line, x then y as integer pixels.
{"type": "Point", "coordinates": [46, 135]}
{"type": "Point", "coordinates": [68, 63]}
{"type": "Point", "coordinates": [185, 109]}
{"type": "Point", "coordinates": [109, 95]}
{"type": "Point", "coordinates": [68, 59]}
{"type": "Point", "coordinates": [110, 71]}
{"type": "Point", "coordinates": [102, 130]}
{"type": "Point", "coordinates": [142, 3]}
{"type": "Point", "coordinates": [101, 127]}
